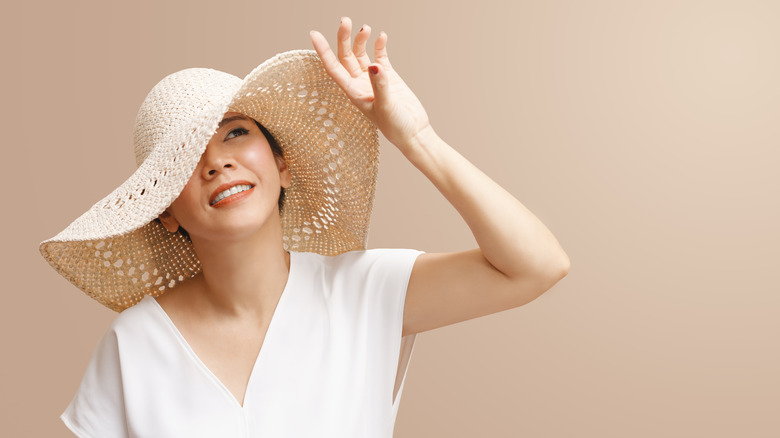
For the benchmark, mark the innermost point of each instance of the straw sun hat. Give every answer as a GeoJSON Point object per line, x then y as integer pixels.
{"type": "Point", "coordinates": [117, 253]}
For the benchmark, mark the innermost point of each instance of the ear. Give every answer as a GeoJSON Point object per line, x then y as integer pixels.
{"type": "Point", "coordinates": [169, 222]}
{"type": "Point", "coordinates": [284, 172]}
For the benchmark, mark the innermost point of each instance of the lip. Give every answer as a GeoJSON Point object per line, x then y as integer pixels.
{"type": "Point", "coordinates": [232, 199]}
{"type": "Point", "coordinates": [226, 186]}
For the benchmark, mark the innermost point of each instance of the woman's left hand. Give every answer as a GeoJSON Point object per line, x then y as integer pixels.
{"type": "Point", "coordinates": [383, 97]}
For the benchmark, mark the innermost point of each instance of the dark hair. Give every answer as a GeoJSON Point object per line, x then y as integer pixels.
{"type": "Point", "coordinates": [277, 151]}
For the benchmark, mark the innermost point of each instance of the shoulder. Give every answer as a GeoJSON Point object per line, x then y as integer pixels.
{"type": "Point", "coordinates": [364, 258]}
{"type": "Point", "coordinates": [131, 320]}
{"type": "Point", "coordinates": [372, 268]}
{"type": "Point", "coordinates": [391, 260]}
{"type": "Point", "coordinates": [358, 264]}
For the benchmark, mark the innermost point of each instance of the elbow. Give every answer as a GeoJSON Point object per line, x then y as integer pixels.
{"type": "Point", "coordinates": [559, 268]}
{"type": "Point", "coordinates": [554, 271]}
{"type": "Point", "coordinates": [549, 272]}
{"type": "Point", "coordinates": [564, 265]}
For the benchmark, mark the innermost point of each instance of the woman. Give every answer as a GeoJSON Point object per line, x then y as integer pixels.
{"type": "Point", "coordinates": [236, 254]}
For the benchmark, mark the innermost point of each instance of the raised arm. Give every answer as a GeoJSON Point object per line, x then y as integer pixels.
{"type": "Point", "coordinates": [518, 258]}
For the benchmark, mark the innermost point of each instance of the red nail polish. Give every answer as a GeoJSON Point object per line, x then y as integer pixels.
{"type": "Point", "coordinates": [373, 69]}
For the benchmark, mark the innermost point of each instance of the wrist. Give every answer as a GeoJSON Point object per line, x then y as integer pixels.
{"type": "Point", "coordinates": [421, 149]}
{"type": "Point", "coordinates": [424, 139]}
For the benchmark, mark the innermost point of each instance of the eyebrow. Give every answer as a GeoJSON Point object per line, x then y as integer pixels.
{"type": "Point", "coordinates": [230, 119]}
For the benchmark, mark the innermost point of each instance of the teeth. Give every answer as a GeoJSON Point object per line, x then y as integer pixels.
{"type": "Point", "coordinates": [231, 191]}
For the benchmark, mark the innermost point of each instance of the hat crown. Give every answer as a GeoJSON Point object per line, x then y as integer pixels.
{"type": "Point", "coordinates": [170, 110]}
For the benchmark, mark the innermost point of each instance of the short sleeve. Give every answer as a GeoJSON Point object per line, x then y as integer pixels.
{"type": "Point", "coordinates": [387, 282]}
{"type": "Point", "coordinates": [98, 410]}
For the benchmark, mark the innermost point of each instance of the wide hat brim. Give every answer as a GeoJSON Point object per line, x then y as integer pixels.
{"type": "Point", "coordinates": [117, 253]}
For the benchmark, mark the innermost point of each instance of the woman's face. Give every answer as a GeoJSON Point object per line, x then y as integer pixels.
{"type": "Point", "coordinates": [237, 152]}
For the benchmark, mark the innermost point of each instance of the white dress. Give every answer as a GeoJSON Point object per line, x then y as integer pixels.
{"type": "Point", "coordinates": [332, 364]}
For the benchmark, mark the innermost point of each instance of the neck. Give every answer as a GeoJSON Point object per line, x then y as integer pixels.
{"type": "Point", "coordinates": [243, 278]}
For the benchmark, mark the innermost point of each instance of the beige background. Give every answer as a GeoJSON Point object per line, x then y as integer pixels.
{"type": "Point", "coordinates": [644, 134]}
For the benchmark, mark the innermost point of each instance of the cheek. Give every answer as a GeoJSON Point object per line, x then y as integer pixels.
{"type": "Point", "coordinates": [253, 155]}
{"type": "Point", "coordinates": [186, 202]}
{"type": "Point", "coordinates": [261, 160]}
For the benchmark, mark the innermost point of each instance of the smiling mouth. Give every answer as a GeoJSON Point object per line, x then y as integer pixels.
{"type": "Point", "coordinates": [231, 193]}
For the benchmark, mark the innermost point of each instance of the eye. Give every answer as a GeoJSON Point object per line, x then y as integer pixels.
{"type": "Point", "coordinates": [238, 131]}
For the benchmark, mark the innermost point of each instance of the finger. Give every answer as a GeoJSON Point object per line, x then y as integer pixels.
{"type": "Point", "coordinates": [360, 47]}
{"type": "Point", "coordinates": [346, 56]}
{"type": "Point", "coordinates": [380, 51]}
{"type": "Point", "coordinates": [329, 60]}
{"type": "Point", "coordinates": [379, 84]}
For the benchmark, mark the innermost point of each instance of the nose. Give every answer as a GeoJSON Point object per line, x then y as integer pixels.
{"type": "Point", "coordinates": [216, 159]}
{"type": "Point", "coordinates": [214, 170]}
{"type": "Point", "coordinates": [216, 162]}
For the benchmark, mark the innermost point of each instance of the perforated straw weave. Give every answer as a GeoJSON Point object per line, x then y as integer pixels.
{"type": "Point", "coordinates": [116, 253]}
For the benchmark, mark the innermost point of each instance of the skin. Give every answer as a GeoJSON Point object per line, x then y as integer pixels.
{"type": "Point", "coordinates": [518, 258]}
{"type": "Point", "coordinates": [231, 241]}
{"type": "Point", "coordinates": [228, 306]}
{"type": "Point", "coordinates": [224, 311]}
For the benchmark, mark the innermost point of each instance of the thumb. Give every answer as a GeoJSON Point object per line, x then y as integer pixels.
{"type": "Point", "coordinates": [378, 82]}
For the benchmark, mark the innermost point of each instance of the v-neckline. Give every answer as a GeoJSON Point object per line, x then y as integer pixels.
{"type": "Point", "coordinates": [263, 347]}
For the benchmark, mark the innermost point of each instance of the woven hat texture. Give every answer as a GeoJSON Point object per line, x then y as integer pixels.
{"type": "Point", "coordinates": [116, 252]}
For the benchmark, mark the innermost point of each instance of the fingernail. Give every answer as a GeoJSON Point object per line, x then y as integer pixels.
{"type": "Point", "coordinates": [373, 69]}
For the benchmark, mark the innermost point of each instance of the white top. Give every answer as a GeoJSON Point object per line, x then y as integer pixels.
{"type": "Point", "coordinates": [332, 363]}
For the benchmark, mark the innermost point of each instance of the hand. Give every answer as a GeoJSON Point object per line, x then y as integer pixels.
{"type": "Point", "coordinates": [383, 97]}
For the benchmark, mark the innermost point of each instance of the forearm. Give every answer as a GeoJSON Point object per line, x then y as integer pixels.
{"type": "Point", "coordinates": [511, 238]}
